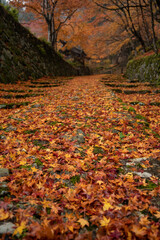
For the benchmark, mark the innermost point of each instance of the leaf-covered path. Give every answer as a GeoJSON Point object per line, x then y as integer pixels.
{"type": "Point", "coordinates": [83, 160]}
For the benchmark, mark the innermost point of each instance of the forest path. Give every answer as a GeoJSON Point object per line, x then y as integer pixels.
{"type": "Point", "coordinates": [83, 159]}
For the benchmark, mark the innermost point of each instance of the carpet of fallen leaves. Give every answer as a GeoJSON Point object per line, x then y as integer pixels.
{"type": "Point", "coordinates": [67, 149]}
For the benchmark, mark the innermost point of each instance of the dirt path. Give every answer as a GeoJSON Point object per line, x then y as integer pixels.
{"type": "Point", "coordinates": [81, 160]}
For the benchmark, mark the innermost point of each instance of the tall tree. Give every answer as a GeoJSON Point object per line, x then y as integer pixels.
{"type": "Point", "coordinates": [55, 13]}
{"type": "Point", "coordinates": [137, 18]}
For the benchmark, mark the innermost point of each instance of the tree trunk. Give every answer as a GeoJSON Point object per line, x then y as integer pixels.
{"type": "Point", "coordinates": [158, 3]}
{"type": "Point", "coordinates": [153, 30]}
{"type": "Point", "coordinates": [144, 23]}
{"type": "Point", "coordinates": [133, 30]}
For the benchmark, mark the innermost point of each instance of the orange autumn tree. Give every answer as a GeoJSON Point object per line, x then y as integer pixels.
{"type": "Point", "coordinates": [136, 17]}
{"type": "Point", "coordinates": [54, 13]}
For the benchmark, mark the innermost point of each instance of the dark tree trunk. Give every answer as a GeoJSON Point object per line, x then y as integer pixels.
{"type": "Point", "coordinates": [153, 30]}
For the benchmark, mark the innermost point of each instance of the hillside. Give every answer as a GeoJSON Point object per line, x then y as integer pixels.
{"type": "Point", "coordinates": [22, 55]}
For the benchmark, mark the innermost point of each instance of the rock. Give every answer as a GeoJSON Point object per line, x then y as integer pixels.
{"type": "Point", "coordinates": [18, 119]}
{"type": "Point", "coordinates": [3, 193]}
{"type": "Point", "coordinates": [3, 189]}
{"type": "Point", "coordinates": [7, 227]}
{"type": "Point", "coordinates": [141, 104]}
{"type": "Point", "coordinates": [143, 175]}
{"type": "Point", "coordinates": [2, 137]}
{"type": "Point", "coordinates": [137, 160]}
{"type": "Point", "coordinates": [41, 143]}
{"type": "Point", "coordinates": [3, 185]}
{"type": "Point", "coordinates": [36, 106]}
{"type": "Point", "coordinates": [115, 131]}
{"type": "Point", "coordinates": [4, 172]}
{"type": "Point", "coordinates": [10, 128]}
{"type": "Point", "coordinates": [80, 136]}
{"type": "Point", "coordinates": [2, 106]}
{"type": "Point", "coordinates": [75, 98]}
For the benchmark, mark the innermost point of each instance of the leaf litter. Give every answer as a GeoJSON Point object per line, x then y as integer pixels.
{"type": "Point", "coordinates": [72, 159]}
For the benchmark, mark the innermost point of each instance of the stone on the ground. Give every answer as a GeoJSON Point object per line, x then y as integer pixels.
{"type": "Point", "coordinates": [2, 106]}
{"type": "Point", "coordinates": [143, 175]}
{"type": "Point", "coordinates": [75, 98]}
{"type": "Point", "coordinates": [80, 136]}
{"type": "Point", "coordinates": [10, 128]}
{"type": "Point", "coordinates": [4, 172]}
{"type": "Point", "coordinates": [2, 137]}
{"type": "Point", "coordinates": [3, 185]}
{"type": "Point", "coordinates": [36, 106]}
{"type": "Point", "coordinates": [7, 227]}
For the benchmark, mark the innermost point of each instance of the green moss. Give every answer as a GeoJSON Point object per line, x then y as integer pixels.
{"type": "Point", "coordinates": [121, 135]}
{"type": "Point", "coordinates": [150, 185]}
{"type": "Point", "coordinates": [41, 49]}
{"type": "Point", "coordinates": [131, 109]}
{"type": "Point", "coordinates": [30, 131]}
{"type": "Point", "coordinates": [144, 69]}
{"type": "Point", "coordinates": [98, 150]}
{"type": "Point", "coordinates": [75, 179]}
{"type": "Point", "coordinates": [138, 116]}
{"type": "Point", "coordinates": [38, 162]}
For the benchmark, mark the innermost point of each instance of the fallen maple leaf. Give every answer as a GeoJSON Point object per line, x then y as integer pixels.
{"type": "Point", "coordinates": [20, 228]}
{"type": "Point", "coordinates": [34, 169]}
{"type": "Point", "coordinates": [144, 220]}
{"type": "Point", "coordinates": [83, 222]}
{"type": "Point", "coordinates": [22, 162]}
{"type": "Point", "coordinates": [107, 205]}
{"type": "Point", "coordinates": [104, 222]}
{"type": "Point", "coordinates": [139, 231]}
{"type": "Point", "coordinates": [157, 214]}
{"type": "Point", "coordinates": [70, 228]}
{"type": "Point", "coordinates": [3, 215]}
{"type": "Point", "coordinates": [100, 182]}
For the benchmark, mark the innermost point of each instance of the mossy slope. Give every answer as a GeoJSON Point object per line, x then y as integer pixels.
{"type": "Point", "coordinates": [22, 55]}
{"type": "Point", "coordinates": [144, 69]}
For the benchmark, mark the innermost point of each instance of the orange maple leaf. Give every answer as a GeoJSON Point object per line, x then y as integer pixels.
{"type": "Point", "coordinates": [3, 215]}
{"type": "Point", "coordinates": [144, 220]}
{"type": "Point", "coordinates": [157, 214]}
{"type": "Point", "coordinates": [139, 231]}
{"type": "Point", "coordinates": [83, 222]}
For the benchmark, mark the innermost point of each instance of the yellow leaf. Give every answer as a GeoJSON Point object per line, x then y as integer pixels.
{"type": "Point", "coordinates": [83, 222]}
{"type": "Point", "coordinates": [107, 205]}
{"type": "Point", "coordinates": [129, 175]}
{"type": "Point", "coordinates": [39, 185]}
{"type": "Point", "coordinates": [104, 222]}
{"type": "Point", "coordinates": [22, 162]}
{"type": "Point", "coordinates": [20, 229]}
{"type": "Point", "coordinates": [54, 209]}
{"type": "Point", "coordinates": [70, 168]}
{"type": "Point", "coordinates": [157, 214]}
{"type": "Point", "coordinates": [3, 215]}
{"type": "Point", "coordinates": [144, 166]}
{"type": "Point", "coordinates": [129, 236]}
{"type": "Point", "coordinates": [34, 169]}
{"type": "Point", "coordinates": [68, 156]}
{"type": "Point", "coordinates": [89, 151]}
{"type": "Point", "coordinates": [70, 228]}
{"type": "Point", "coordinates": [100, 182]}
{"type": "Point", "coordinates": [46, 204]}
